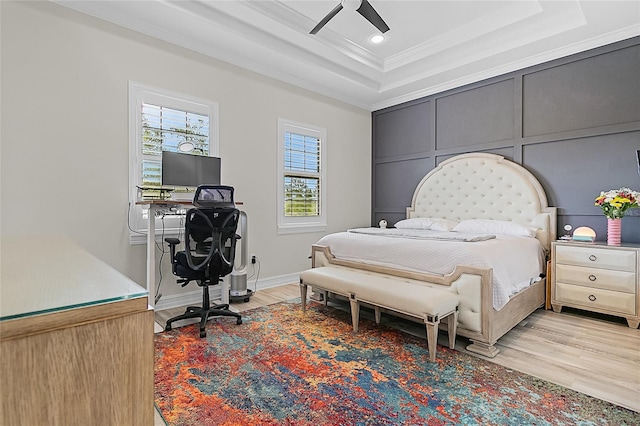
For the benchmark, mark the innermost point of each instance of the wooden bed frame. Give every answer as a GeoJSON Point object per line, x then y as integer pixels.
{"type": "Point", "coordinates": [491, 187]}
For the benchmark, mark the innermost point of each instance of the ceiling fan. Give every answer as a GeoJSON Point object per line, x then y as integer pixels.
{"type": "Point", "coordinates": [365, 9]}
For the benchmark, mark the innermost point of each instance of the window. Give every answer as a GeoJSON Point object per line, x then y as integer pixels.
{"type": "Point", "coordinates": [169, 129]}
{"type": "Point", "coordinates": [302, 198]}
{"type": "Point", "coordinates": [160, 120]}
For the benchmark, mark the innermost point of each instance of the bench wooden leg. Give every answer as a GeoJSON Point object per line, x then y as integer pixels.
{"type": "Point", "coordinates": [432, 339]}
{"type": "Point", "coordinates": [377, 314]}
{"type": "Point", "coordinates": [355, 311]}
{"type": "Point", "coordinates": [303, 296]}
{"type": "Point", "coordinates": [452, 326]}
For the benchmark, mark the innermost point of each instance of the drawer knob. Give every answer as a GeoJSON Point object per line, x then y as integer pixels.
{"type": "Point", "coordinates": [592, 297]}
{"type": "Point", "coordinates": [592, 258]}
{"type": "Point", "coordinates": [592, 277]}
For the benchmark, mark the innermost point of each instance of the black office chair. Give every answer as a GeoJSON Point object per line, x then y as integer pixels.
{"type": "Point", "coordinates": [209, 252]}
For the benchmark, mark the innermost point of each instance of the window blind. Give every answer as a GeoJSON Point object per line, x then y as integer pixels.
{"type": "Point", "coordinates": [302, 175]}
{"type": "Point", "coordinates": [166, 129]}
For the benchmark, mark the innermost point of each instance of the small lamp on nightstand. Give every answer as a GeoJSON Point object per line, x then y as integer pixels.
{"type": "Point", "coordinates": [584, 233]}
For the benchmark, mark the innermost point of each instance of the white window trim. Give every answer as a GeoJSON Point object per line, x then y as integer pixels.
{"type": "Point", "coordinates": [141, 93]}
{"type": "Point", "coordinates": [294, 225]}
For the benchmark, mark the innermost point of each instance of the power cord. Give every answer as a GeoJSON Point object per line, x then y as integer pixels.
{"type": "Point", "coordinates": [129, 222]}
{"type": "Point", "coordinates": [257, 275]}
{"type": "Point", "coordinates": [159, 246]}
{"type": "Point", "coordinates": [162, 253]}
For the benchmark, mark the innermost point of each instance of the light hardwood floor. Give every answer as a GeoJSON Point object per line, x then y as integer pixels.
{"type": "Point", "coordinates": [598, 357]}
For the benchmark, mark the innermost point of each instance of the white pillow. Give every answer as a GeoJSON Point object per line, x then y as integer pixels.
{"type": "Point", "coordinates": [414, 223]}
{"type": "Point", "coordinates": [439, 224]}
{"type": "Point", "coordinates": [433, 223]}
{"type": "Point", "coordinates": [488, 226]}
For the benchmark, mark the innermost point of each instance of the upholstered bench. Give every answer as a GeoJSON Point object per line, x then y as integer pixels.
{"type": "Point", "coordinates": [426, 303]}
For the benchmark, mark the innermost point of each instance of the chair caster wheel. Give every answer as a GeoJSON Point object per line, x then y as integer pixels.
{"type": "Point", "coordinates": [203, 333]}
{"type": "Point", "coordinates": [246, 299]}
{"type": "Point", "coordinates": [239, 321]}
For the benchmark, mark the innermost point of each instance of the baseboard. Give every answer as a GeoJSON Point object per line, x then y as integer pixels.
{"type": "Point", "coordinates": [194, 297]}
{"type": "Point", "coordinates": [187, 298]}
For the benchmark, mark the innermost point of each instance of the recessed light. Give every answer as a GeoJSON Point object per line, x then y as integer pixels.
{"type": "Point", "coordinates": [376, 39]}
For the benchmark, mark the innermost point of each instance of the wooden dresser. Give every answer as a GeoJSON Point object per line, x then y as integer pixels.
{"type": "Point", "coordinates": [597, 277]}
{"type": "Point", "coordinates": [76, 338]}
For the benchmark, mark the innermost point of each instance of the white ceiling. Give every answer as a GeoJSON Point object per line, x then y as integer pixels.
{"type": "Point", "coordinates": [432, 46]}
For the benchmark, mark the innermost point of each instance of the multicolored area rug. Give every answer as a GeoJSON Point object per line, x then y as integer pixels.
{"type": "Point", "coordinates": [281, 367]}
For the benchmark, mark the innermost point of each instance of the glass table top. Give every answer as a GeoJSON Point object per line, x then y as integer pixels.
{"type": "Point", "coordinates": [43, 274]}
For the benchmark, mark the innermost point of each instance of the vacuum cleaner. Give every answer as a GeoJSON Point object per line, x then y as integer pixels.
{"type": "Point", "coordinates": [238, 291]}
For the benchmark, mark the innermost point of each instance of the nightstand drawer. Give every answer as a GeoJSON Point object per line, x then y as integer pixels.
{"type": "Point", "coordinates": [606, 279]}
{"type": "Point", "coordinates": [620, 260]}
{"type": "Point", "coordinates": [596, 299]}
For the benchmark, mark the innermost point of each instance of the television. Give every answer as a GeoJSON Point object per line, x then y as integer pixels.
{"type": "Point", "coordinates": [188, 170]}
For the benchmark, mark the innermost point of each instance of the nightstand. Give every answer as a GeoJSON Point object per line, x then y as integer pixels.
{"type": "Point", "coordinates": [597, 277]}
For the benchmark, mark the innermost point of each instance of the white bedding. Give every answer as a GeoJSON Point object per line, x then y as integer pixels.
{"type": "Point", "coordinates": [423, 234]}
{"type": "Point", "coordinates": [516, 261]}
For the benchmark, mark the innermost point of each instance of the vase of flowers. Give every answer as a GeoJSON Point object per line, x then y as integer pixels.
{"type": "Point", "coordinates": [614, 203]}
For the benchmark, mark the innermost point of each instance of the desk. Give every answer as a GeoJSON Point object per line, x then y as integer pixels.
{"type": "Point", "coordinates": [154, 207]}
{"type": "Point", "coordinates": [76, 338]}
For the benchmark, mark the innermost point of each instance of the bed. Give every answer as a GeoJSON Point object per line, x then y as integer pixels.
{"type": "Point", "coordinates": [499, 207]}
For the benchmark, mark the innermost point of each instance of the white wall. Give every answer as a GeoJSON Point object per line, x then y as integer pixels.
{"type": "Point", "coordinates": [64, 136]}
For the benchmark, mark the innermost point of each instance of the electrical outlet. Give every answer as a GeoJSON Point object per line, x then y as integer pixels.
{"type": "Point", "coordinates": [254, 259]}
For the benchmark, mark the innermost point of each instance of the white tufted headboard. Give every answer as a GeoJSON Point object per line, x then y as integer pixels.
{"type": "Point", "coordinates": [485, 186]}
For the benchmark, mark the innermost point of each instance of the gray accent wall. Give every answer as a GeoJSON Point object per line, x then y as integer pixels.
{"type": "Point", "coordinates": [573, 122]}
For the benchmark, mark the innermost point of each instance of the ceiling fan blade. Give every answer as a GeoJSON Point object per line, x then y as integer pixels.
{"type": "Point", "coordinates": [326, 19]}
{"type": "Point", "coordinates": [372, 16]}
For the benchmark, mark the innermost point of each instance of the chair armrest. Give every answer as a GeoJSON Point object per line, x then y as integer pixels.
{"type": "Point", "coordinates": [173, 242]}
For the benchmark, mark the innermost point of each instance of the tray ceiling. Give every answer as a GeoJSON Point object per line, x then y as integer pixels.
{"type": "Point", "coordinates": [432, 45]}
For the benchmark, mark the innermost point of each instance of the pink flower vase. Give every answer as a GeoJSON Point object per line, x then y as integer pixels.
{"type": "Point", "coordinates": [614, 232]}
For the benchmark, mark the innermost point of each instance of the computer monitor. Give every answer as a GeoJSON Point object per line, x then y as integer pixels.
{"type": "Point", "coordinates": [189, 170]}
